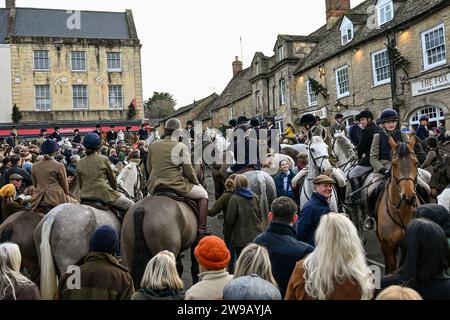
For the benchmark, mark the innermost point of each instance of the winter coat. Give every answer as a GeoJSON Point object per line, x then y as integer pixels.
{"type": "Point", "coordinates": [27, 291]}
{"type": "Point", "coordinates": [437, 288]}
{"type": "Point", "coordinates": [143, 134]}
{"type": "Point", "coordinates": [284, 250]}
{"type": "Point", "coordinates": [222, 205]}
{"type": "Point", "coordinates": [111, 136]}
{"type": "Point", "coordinates": [163, 171]}
{"type": "Point", "coordinates": [102, 278]}
{"type": "Point", "coordinates": [243, 217]}
{"type": "Point", "coordinates": [96, 179]}
{"type": "Point", "coordinates": [355, 133]}
{"type": "Point", "coordinates": [56, 136]}
{"type": "Point", "coordinates": [120, 136]}
{"type": "Point", "coordinates": [77, 138]}
{"type": "Point", "coordinates": [422, 133]}
{"type": "Point", "coordinates": [380, 144]}
{"type": "Point", "coordinates": [365, 143]}
{"type": "Point", "coordinates": [210, 285]}
{"type": "Point", "coordinates": [128, 137]}
{"type": "Point", "coordinates": [346, 290]}
{"type": "Point", "coordinates": [289, 133]}
{"type": "Point", "coordinates": [26, 182]}
{"type": "Point", "coordinates": [310, 216]}
{"type": "Point", "coordinates": [154, 294]}
{"type": "Point", "coordinates": [281, 186]}
{"type": "Point", "coordinates": [51, 186]}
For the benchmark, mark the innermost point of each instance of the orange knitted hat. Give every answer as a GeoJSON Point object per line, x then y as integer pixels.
{"type": "Point", "coordinates": [212, 253]}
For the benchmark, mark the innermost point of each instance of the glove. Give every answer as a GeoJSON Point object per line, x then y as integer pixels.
{"type": "Point", "coordinates": [387, 173]}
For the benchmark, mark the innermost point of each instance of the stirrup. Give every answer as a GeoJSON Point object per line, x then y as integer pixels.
{"type": "Point", "coordinates": [370, 224]}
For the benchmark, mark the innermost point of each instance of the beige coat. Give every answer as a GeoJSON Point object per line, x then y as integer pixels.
{"type": "Point", "coordinates": [50, 182]}
{"type": "Point", "coordinates": [163, 171]}
{"type": "Point", "coordinates": [96, 179]}
{"type": "Point", "coordinates": [210, 286]}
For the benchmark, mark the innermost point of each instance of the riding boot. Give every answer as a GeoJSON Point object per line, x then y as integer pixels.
{"type": "Point", "coordinates": [369, 223]}
{"type": "Point", "coordinates": [202, 218]}
{"type": "Point", "coordinates": [354, 182]}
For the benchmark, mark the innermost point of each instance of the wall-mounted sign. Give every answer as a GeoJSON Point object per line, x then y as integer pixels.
{"type": "Point", "coordinates": [430, 84]}
{"type": "Point", "coordinates": [322, 113]}
{"type": "Point", "coordinates": [64, 80]}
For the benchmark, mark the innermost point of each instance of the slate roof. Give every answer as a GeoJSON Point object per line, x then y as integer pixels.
{"type": "Point", "coordinates": [53, 23]}
{"type": "Point", "coordinates": [191, 106]}
{"type": "Point", "coordinates": [330, 44]}
{"type": "Point", "coordinates": [291, 38]}
{"type": "Point", "coordinates": [4, 17]}
{"type": "Point", "coordinates": [237, 88]}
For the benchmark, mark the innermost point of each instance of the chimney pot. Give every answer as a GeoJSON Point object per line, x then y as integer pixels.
{"type": "Point", "coordinates": [335, 10]}
{"type": "Point", "coordinates": [10, 4]}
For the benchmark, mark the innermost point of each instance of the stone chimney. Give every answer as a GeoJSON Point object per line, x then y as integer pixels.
{"type": "Point", "coordinates": [237, 66]}
{"type": "Point", "coordinates": [335, 10]}
{"type": "Point", "coordinates": [10, 4]}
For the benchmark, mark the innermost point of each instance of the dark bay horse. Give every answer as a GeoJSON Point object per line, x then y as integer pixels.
{"type": "Point", "coordinates": [155, 224]}
{"type": "Point", "coordinates": [398, 202]}
{"type": "Point", "coordinates": [19, 228]}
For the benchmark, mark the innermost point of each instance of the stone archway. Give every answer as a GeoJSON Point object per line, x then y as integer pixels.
{"type": "Point", "coordinates": [424, 104]}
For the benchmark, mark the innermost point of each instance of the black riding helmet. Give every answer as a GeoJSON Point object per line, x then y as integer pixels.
{"type": "Point", "coordinates": [389, 115]}
{"type": "Point", "coordinates": [366, 114]}
{"type": "Point", "coordinates": [232, 123]}
{"type": "Point", "coordinates": [254, 122]}
{"type": "Point", "coordinates": [307, 119]}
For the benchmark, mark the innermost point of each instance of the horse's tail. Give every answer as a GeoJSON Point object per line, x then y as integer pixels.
{"type": "Point", "coordinates": [48, 273]}
{"type": "Point", "coordinates": [140, 253]}
{"type": "Point", "coordinates": [6, 235]}
{"type": "Point", "coordinates": [263, 201]}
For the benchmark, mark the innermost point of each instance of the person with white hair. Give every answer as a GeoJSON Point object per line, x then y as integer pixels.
{"type": "Point", "coordinates": [14, 285]}
{"type": "Point", "coordinates": [336, 269]}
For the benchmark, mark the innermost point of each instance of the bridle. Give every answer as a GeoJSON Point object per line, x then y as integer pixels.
{"type": "Point", "coordinates": [316, 159]}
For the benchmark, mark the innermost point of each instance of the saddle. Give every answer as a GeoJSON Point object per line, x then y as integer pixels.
{"type": "Point", "coordinates": [164, 191]}
{"type": "Point", "coordinates": [103, 206]}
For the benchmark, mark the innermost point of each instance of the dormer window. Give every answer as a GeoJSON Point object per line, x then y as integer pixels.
{"type": "Point", "coordinates": [280, 53]}
{"type": "Point", "coordinates": [346, 31]}
{"type": "Point", "coordinates": [385, 9]}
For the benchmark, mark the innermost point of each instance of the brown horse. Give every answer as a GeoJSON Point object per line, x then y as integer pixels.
{"type": "Point", "coordinates": [398, 202]}
{"type": "Point", "coordinates": [19, 228]}
{"type": "Point", "coordinates": [155, 224]}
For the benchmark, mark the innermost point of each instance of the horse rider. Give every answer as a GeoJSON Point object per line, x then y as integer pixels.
{"type": "Point", "coordinates": [289, 133]}
{"type": "Point", "coordinates": [355, 131]}
{"type": "Point", "coordinates": [433, 156]}
{"type": "Point", "coordinates": [190, 130]}
{"type": "Point", "coordinates": [50, 180]}
{"type": "Point", "coordinates": [422, 131]}
{"type": "Point", "coordinates": [314, 128]}
{"type": "Point", "coordinates": [369, 129]}
{"type": "Point", "coordinates": [96, 178]}
{"type": "Point", "coordinates": [339, 126]}
{"type": "Point", "coordinates": [169, 165]}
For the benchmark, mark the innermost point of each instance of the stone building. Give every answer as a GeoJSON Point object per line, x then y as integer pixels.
{"type": "Point", "coordinates": [70, 67]}
{"type": "Point", "coordinates": [357, 62]}
{"type": "Point", "coordinates": [236, 99]}
{"type": "Point", "coordinates": [197, 111]}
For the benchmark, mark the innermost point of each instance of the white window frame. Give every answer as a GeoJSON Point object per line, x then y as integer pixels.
{"type": "Point", "coordinates": [35, 67]}
{"type": "Point", "coordinates": [38, 96]}
{"type": "Point", "coordinates": [78, 59]}
{"type": "Point", "coordinates": [110, 97]}
{"type": "Point", "coordinates": [280, 52]}
{"type": "Point", "coordinates": [283, 97]}
{"type": "Point", "coordinates": [346, 26]}
{"type": "Point", "coordinates": [231, 112]}
{"type": "Point", "coordinates": [108, 59]}
{"type": "Point", "coordinates": [257, 99]}
{"type": "Point", "coordinates": [374, 69]}
{"type": "Point", "coordinates": [426, 65]}
{"type": "Point", "coordinates": [312, 96]}
{"type": "Point", "coordinates": [435, 114]}
{"type": "Point", "coordinates": [338, 88]}
{"type": "Point", "coordinates": [78, 98]}
{"type": "Point", "coordinates": [381, 11]}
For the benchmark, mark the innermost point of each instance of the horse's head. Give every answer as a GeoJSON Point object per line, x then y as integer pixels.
{"type": "Point", "coordinates": [404, 169]}
{"type": "Point", "coordinates": [318, 154]}
{"type": "Point", "coordinates": [438, 180]}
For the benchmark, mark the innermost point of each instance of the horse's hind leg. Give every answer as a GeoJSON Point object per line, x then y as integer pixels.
{"type": "Point", "coordinates": [180, 264]}
{"type": "Point", "coordinates": [194, 266]}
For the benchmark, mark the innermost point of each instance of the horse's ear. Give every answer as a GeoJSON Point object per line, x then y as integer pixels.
{"type": "Point", "coordinates": [412, 142]}
{"type": "Point", "coordinates": [393, 144]}
{"type": "Point", "coordinates": [309, 135]}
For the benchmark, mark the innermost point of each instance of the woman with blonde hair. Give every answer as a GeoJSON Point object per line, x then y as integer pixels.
{"type": "Point", "coordinates": [398, 293]}
{"type": "Point", "coordinates": [336, 269]}
{"type": "Point", "coordinates": [254, 259]}
{"type": "Point", "coordinates": [160, 280]}
{"type": "Point", "coordinates": [13, 285]}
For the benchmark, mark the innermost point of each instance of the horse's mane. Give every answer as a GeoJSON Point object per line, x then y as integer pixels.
{"type": "Point", "coordinates": [345, 145]}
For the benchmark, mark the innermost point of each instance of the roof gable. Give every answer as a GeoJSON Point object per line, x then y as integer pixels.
{"type": "Point", "coordinates": [54, 23]}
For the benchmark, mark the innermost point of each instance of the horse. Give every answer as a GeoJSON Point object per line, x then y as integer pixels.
{"type": "Point", "coordinates": [398, 201]}
{"type": "Point", "coordinates": [318, 163]}
{"type": "Point", "coordinates": [130, 182]}
{"type": "Point", "coordinates": [347, 160]}
{"type": "Point", "coordinates": [62, 239]}
{"type": "Point", "coordinates": [19, 228]}
{"type": "Point", "coordinates": [300, 147]}
{"type": "Point", "coordinates": [272, 163]}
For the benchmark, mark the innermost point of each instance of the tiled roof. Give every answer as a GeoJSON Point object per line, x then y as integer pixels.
{"type": "Point", "coordinates": [191, 106]}
{"type": "Point", "coordinates": [330, 44]}
{"type": "Point", "coordinates": [237, 88]}
{"type": "Point", "coordinates": [54, 23]}
{"type": "Point", "coordinates": [4, 17]}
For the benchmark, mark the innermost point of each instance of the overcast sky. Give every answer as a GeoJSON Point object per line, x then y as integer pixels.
{"type": "Point", "coordinates": [189, 45]}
